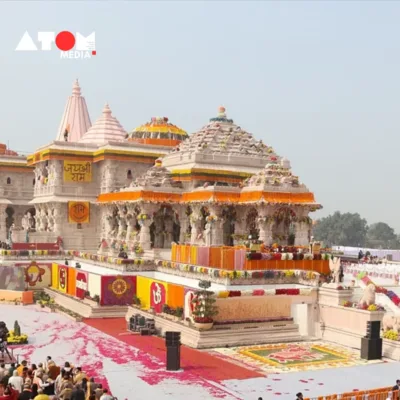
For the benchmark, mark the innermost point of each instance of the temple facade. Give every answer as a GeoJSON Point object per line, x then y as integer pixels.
{"type": "Point", "coordinates": [100, 187]}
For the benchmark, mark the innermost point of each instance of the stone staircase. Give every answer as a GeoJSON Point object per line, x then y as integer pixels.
{"type": "Point", "coordinates": [86, 308]}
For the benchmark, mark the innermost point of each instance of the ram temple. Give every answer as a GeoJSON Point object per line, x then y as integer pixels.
{"type": "Point", "coordinates": [157, 232]}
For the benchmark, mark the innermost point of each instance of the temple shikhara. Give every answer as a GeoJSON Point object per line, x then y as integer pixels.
{"type": "Point", "coordinates": [202, 238]}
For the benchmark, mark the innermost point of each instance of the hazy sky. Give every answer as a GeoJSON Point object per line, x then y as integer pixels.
{"type": "Point", "coordinates": [319, 81]}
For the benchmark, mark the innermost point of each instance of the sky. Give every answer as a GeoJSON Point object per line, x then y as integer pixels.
{"type": "Point", "coordinates": [319, 81]}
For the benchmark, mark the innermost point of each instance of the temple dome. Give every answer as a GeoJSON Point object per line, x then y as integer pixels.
{"type": "Point", "coordinates": [222, 135]}
{"type": "Point", "coordinates": [106, 129]}
{"type": "Point", "coordinates": [156, 176]}
{"type": "Point", "coordinates": [158, 132]}
{"type": "Point", "coordinates": [276, 177]}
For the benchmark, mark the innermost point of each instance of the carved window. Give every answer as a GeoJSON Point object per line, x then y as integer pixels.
{"type": "Point", "coordinates": [8, 181]}
{"type": "Point", "coordinates": [33, 182]}
{"type": "Point", "coordinates": [129, 174]}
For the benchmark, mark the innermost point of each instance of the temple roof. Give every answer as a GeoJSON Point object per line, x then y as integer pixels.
{"type": "Point", "coordinates": [222, 135]}
{"type": "Point", "coordinates": [75, 120]}
{"type": "Point", "coordinates": [156, 176]}
{"type": "Point", "coordinates": [158, 131]}
{"type": "Point", "coordinates": [106, 129]}
{"type": "Point", "coordinates": [4, 151]}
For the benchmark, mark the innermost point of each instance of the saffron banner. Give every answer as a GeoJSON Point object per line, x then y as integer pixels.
{"type": "Point", "coordinates": [78, 212]}
{"type": "Point", "coordinates": [77, 171]}
{"type": "Point", "coordinates": [81, 284]}
{"type": "Point", "coordinates": [62, 278]}
{"type": "Point", "coordinates": [117, 290]}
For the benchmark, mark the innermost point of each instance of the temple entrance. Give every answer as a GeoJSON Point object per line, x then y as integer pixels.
{"type": "Point", "coordinates": [229, 215]}
{"type": "Point", "coordinates": [283, 230]}
{"type": "Point", "coordinates": [251, 224]}
{"type": "Point", "coordinates": [164, 229]}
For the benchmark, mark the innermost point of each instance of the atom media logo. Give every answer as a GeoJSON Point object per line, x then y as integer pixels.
{"type": "Point", "coordinates": [70, 45]}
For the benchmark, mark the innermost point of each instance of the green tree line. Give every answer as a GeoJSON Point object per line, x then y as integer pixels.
{"type": "Point", "coordinates": [350, 229]}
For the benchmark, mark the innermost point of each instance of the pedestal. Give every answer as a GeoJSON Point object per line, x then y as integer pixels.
{"type": "Point", "coordinates": [330, 295]}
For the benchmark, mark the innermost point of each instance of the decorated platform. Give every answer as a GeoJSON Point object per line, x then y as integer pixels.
{"type": "Point", "coordinates": [292, 357]}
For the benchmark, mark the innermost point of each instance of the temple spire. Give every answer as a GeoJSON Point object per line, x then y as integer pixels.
{"type": "Point", "coordinates": [75, 121]}
{"type": "Point", "coordinates": [106, 129]}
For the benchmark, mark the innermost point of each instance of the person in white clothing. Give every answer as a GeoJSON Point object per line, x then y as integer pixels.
{"type": "Point", "coordinates": [46, 364]}
{"type": "Point", "coordinates": [16, 381]}
{"type": "Point", "coordinates": [106, 396]}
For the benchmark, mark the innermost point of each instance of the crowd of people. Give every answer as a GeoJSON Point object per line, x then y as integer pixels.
{"type": "Point", "coordinates": [5, 246]}
{"type": "Point", "coordinates": [48, 381]}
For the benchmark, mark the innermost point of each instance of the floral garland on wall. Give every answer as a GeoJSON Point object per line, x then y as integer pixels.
{"type": "Point", "coordinates": [287, 256]}
{"type": "Point", "coordinates": [25, 253]}
{"type": "Point", "coordinates": [220, 273]}
{"type": "Point", "coordinates": [261, 292]}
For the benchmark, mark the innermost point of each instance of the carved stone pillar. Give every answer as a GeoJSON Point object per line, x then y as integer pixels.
{"type": "Point", "coordinates": [144, 236]}
{"type": "Point", "coordinates": [131, 226]}
{"type": "Point", "coordinates": [57, 219]}
{"type": "Point", "coordinates": [301, 233]}
{"type": "Point", "coordinates": [184, 224]}
{"type": "Point", "coordinates": [158, 232]}
{"type": "Point", "coordinates": [169, 232]}
{"type": "Point", "coordinates": [110, 222]}
{"type": "Point", "coordinates": [38, 218]}
{"type": "Point", "coordinates": [265, 222]}
{"type": "Point", "coordinates": [195, 222]}
{"type": "Point", "coordinates": [145, 219]}
{"type": "Point", "coordinates": [122, 223]}
{"type": "Point", "coordinates": [45, 219]}
{"type": "Point", "coordinates": [217, 226]}
{"type": "Point", "coordinates": [240, 225]}
{"type": "Point", "coordinates": [50, 217]}
{"type": "Point", "coordinates": [265, 229]}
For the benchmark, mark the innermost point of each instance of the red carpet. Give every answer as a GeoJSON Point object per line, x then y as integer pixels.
{"type": "Point", "coordinates": [198, 362]}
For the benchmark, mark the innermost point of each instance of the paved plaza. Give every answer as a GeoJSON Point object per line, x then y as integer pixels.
{"type": "Point", "coordinates": [134, 367]}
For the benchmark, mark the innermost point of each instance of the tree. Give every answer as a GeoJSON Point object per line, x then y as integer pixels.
{"type": "Point", "coordinates": [381, 235]}
{"type": "Point", "coordinates": [341, 230]}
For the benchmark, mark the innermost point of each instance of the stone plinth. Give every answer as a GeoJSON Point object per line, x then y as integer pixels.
{"type": "Point", "coordinates": [245, 334]}
{"type": "Point", "coordinates": [85, 308]}
{"type": "Point", "coordinates": [345, 326]}
{"type": "Point", "coordinates": [332, 296]}
{"type": "Point", "coordinates": [391, 349]}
